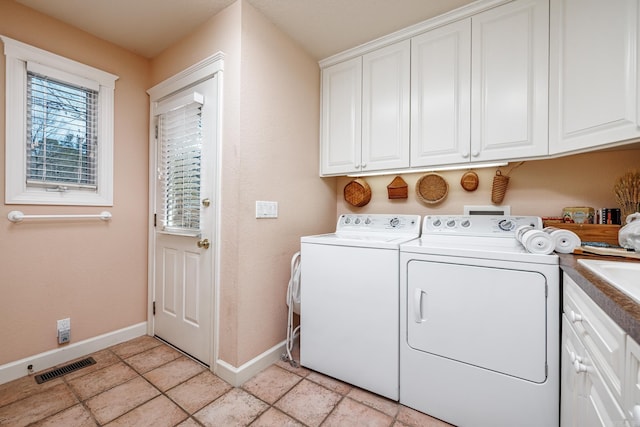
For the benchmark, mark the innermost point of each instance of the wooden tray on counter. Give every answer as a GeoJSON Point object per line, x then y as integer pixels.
{"type": "Point", "coordinates": [606, 233]}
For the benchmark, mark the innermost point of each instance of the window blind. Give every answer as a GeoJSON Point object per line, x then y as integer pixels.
{"type": "Point", "coordinates": [61, 141]}
{"type": "Point", "coordinates": [180, 136]}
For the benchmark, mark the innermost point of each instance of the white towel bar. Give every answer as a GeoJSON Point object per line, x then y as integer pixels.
{"type": "Point", "coordinates": [17, 216]}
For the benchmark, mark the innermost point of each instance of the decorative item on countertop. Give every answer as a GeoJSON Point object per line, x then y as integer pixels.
{"type": "Point", "coordinates": [469, 181]}
{"type": "Point", "coordinates": [627, 192]}
{"type": "Point", "coordinates": [357, 192]}
{"type": "Point", "coordinates": [500, 183]}
{"type": "Point", "coordinates": [578, 215]}
{"type": "Point", "coordinates": [432, 188]}
{"type": "Point", "coordinates": [398, 188]}
{"type": "Point", "coordinates": [609, 216]}
{"type": "Point", "coordinates": [629, 235]}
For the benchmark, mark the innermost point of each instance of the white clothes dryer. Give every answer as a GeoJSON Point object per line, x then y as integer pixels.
{"type": "Point", "coordinates": [479, 324]}
{"type": "Point", "coordinates": [349, 300]}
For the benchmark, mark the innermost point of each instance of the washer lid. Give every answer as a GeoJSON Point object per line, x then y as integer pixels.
{"type": "Point", "coordinates": [362, 240]}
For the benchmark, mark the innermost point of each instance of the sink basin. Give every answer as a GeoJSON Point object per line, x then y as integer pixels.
{"type": "Point", "coordinates": [623, 275]}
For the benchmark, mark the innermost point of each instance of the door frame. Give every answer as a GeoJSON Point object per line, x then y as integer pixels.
{"type": "Point", "coordinates": [188, 77]}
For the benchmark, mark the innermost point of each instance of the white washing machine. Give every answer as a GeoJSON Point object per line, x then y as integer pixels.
{"type": "Point", "coordinates": [479, 324]}
{"type": "Point", "coordinates": [349, 299]}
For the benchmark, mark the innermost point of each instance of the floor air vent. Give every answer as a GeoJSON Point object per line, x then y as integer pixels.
{"type": "Point", "coordinates": [63, 370]}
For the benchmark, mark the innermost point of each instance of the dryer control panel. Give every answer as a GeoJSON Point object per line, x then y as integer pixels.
{"type": "Point", "coordinates": [477, 225]}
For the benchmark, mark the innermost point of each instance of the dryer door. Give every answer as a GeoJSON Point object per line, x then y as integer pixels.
{"type": "Point", "coordinates": [489, 317]}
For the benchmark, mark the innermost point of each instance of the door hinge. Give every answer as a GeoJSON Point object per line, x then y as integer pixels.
{"type": "Point", "coordinates": [154, 308]}
{"type": "Point", "coordinates": [156, 131]}
{"type": "Point", "coordinates": [155, 219]}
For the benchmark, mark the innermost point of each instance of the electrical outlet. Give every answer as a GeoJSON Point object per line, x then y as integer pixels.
{"type": "Point", "coordinates": [64, 336]}
{"type": "Point", "coordinates": [64, 331]}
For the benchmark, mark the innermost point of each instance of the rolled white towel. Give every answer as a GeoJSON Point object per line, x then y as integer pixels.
{"type": "Point", "coordinates": [565, 240]}
{"type": "Point", "coordinates": [538, 242]}
{"type": "Point", "coordinates": [521, 230]}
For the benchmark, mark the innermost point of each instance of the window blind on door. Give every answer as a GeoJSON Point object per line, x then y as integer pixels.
{"type": "Point", "coordinates": [180, 137]}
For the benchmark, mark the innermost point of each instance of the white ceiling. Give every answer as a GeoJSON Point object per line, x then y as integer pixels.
{"type": "Point", "coordinates": [321, 27]}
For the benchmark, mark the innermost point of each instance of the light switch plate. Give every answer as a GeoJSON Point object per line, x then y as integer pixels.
{"type": "Point", "coordinates": [266, 209]}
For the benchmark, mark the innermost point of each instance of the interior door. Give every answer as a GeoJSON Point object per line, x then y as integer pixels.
{"type": "Point", "coordinates": [186, 129]}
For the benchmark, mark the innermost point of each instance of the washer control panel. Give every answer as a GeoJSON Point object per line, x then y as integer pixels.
{"type": "Point", "coordinates": [401, 224]}
{"type": "Point", "coordinates": [477, 225]}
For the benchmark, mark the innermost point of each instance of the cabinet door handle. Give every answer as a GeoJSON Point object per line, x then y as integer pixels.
{"type": "Point", "coordinates": [575, 357]}
{"type": "Point", "coordinates": [579, 367]}
{"type": "Point", "coordinates": [575, 317]}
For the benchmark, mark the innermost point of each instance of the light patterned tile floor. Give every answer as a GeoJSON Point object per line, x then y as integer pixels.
{"type": "Point", "coordinates": [144, 382]}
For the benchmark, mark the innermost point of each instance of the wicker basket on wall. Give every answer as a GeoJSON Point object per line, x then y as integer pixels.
{"type": "Point", "coordinates": [357, 192]}
{"type": "Point", "coordinates": [432, 188]}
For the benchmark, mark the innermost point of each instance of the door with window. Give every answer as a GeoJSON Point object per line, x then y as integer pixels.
{"type": "Point", "coordinates": [186, 129]}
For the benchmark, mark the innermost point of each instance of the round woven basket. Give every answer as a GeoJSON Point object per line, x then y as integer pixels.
{"type": "Point", "coordinates": [432, 188]}
{"type": "Point", "coordinates": [469, 181]}
{"type": "Point", "coordinates": [357, 192]}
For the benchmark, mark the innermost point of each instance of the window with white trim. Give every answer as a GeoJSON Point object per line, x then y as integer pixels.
{"type": "Point", "coordinates": [59, 129]}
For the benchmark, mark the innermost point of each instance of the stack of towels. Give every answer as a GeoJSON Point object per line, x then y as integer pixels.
{"type": "Point", "coordinates": [547, 240]}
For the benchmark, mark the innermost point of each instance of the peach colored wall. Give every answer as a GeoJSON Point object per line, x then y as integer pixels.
{"type": "Point", "coordinates": [279, 154]}
{"type": "Point", "coordinates": [269, 152]}
{"type": "Point", "coordinates": [93, 272]}
{"type": "Point", "coordinates": [540, 187]}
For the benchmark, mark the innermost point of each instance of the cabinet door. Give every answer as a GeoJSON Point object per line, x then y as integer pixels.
{"type": "Point", "coordinates": [593, 79]}
{"type": "Point", "coordinates": [385, 107]}
{"type": "Point", "coordinates": [510, 81]}
{"type": "Point", "coordinates": [632, 387]}
{"type": "Point", "coordinates": [601, 409]}
{"type": "Point", "coordinates": [340, 140]}
{"type": "Point", "coordinates": [571, 381]}
{"type": "Point", "coordinates": [441, 95]}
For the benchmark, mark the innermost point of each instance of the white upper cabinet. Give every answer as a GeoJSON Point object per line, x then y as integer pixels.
{"type": "Point", "coordinates": [365, 112]}
{"type": "Point", "coordinates": [440, 95]}
{"type": "Point", "coordinates": [340, 133]}
{"type": "Point", "coordinates": [594, 73]}
{"type": "Point", "coordinates": [479, 87]}
{"type": "Point", "coordinates": [509, 90]}
{"type": "Point", "coordinates": [385, 107]}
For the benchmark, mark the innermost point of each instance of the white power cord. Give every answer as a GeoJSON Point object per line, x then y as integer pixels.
{"type": "Point", "coordinates": [293, 301]}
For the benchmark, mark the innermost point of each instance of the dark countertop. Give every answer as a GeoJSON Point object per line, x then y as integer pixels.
{"type": "Point", "coordinates": [621, 308]}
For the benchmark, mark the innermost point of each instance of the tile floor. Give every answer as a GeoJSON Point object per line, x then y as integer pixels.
{"type": "Point", "coordinates": [144, 382]}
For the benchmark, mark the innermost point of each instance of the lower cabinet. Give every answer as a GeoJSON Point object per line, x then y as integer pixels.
{"type": "Point", "coordinates": [632, 391]}
{"type": "Point", "coordinates": [595, 377]}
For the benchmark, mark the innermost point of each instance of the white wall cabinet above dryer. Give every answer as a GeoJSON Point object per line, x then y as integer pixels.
{"type": "Point", "coordinates": [593, 73]}
{"type": "Point", "coordinates": [365, 112]}
{"type": "Point", "coordinates": [441, 95]}
{"type": "Point", "coordinates": [479, 87]}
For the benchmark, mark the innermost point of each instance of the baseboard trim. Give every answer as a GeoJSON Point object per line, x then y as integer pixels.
{"type": "Point", "coordinates": [237, 376]}
{"type": "Point", "coordinates": [14, 370]}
